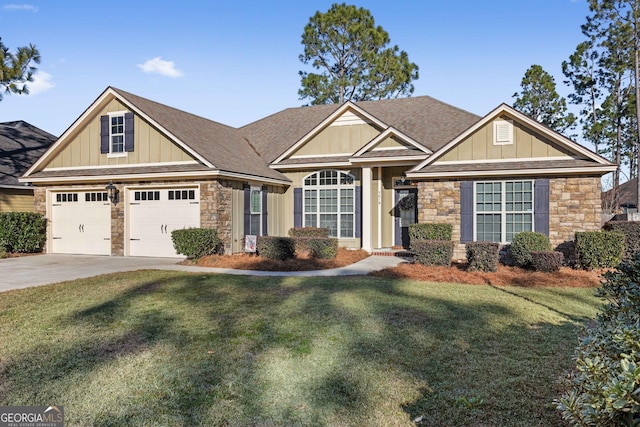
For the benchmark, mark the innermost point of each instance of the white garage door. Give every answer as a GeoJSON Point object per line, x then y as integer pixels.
{"type": "Point", "coordinates": [81, 223]}
{"type": "Point", "coordinates": [155, 213]}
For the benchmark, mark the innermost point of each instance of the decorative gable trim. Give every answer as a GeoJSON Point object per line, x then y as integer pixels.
{"type": "Point", "coordinates": [327, 122]}
{"type": "Point", "coordinates": [603, 163]}
{"type": "Point", "coordinates": [106, 96]}
{"type": "Point", "coordinates": [387, 133]}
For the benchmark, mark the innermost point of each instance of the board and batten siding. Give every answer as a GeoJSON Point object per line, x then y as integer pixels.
{"type": "Point", "coordinates": [150, 146]}
{"type": "Point", "coordinates": [526, 144]}
{"type": "Point", "coordinates": [345, 139]}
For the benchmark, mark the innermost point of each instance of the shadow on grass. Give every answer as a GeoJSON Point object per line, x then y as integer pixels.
{"type": "Point", "coordinates": [309, 351]}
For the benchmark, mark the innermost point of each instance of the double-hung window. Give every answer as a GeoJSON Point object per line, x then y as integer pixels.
{"type": "Point", "coordinates": [502, 209]}
{"type": "Point", "coordinates": [116, 134]}
{"type": "Point", "coordinates": [255, 202]}
{"type": "Point", "coordinates": [329, 202]}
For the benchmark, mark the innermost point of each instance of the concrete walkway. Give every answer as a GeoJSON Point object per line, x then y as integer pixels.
{"type": "Point", "coordinates": [37, 270]}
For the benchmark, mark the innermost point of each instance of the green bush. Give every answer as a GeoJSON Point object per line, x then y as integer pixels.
{"type": "Point", "coordinates": [631, 231]}
{"type": "Point", "coordinates": [317, 247]}
{"type": "Point", "coordinates": [483, 256]}
{"type": "Point", "coordinates": [432, 252]}
{"type": "Point", "coordinates": [23, 232]}
{"type": "Point", "coordinates": [599, 249]}
{"type": "Point", "coordinates": [526, 242]}
{"type": "Point", "coordinates": [430, 232]}
{"type": "Point", "coordinates": [279, 248]}
{"type": "Point", "coordinates": [309, 232]}
{"type": "Point", "coordinates": [548, 262]}
{"type": "Point", "coordinates": [3, 252]}
{"type": "Point", "coordinates": [196, 243]}
{"type": "Point", "coordinates": [604, 387]}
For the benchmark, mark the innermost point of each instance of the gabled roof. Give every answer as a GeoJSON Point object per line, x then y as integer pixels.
{"type": "Point", "coordinates": [220, 147]}
{"type": "Point", "coordinates": [429, 122]}
{"type": "Point", "coordinates": [21, 144]}
{"type": "Point", "coordinates": [584, 159]}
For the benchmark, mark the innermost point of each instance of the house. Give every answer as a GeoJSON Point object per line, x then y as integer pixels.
{"type": "Point", "coordinates": [21, 144]}
{"type": "Point", "coordinates": [129, 170]}
{"type": "Point", "coordinates": [622, 201]}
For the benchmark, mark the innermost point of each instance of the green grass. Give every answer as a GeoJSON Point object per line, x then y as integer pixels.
{"type": "Point", "coordinates": [166, 348]}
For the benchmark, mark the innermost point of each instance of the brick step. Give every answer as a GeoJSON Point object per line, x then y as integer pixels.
{"type": "Point", "coordinates": [402, 254]}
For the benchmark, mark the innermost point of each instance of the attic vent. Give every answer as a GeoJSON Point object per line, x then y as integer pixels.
{"type": "Point", "coordinates": [502, 132]}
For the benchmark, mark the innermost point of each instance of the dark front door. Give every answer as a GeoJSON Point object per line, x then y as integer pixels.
{"type": "Point", "coordinates": [406, 213]}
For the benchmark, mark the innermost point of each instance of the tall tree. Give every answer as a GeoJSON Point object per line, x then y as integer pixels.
{"type": "Point", "coordinates": [353, 58]}
{"type": "Point", "coordinates": [540, 100]}
{"type": "Point", "coordinates": [16, 69]}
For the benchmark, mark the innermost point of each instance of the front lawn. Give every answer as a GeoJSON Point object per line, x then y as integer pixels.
{"type": "Point", "coordinates": [167, 348]}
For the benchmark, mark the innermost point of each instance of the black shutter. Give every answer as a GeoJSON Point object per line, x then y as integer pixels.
{"type": "Point", "coordinates": [128, 132]}
{"type": "Point", "coordinates": [247, 209]}
{"type": "Point", "coordinates": [264, 210]}
{"type": "Point", "coordinates": [466, 211]}
{"type": "Point", "coordinates": [297, 207]}
{"type": "Point", "coordinates": [358, 212]}
{"type": "Point", "coordinates": [541, 206]}
{"type": "Point", "coordinates": [104, 134]}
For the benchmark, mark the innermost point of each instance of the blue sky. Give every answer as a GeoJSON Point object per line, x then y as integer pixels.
{"type": "Point", "coordinates": [237, 61]}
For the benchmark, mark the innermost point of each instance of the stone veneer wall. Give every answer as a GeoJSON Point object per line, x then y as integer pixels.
{"type": "Point", "coordinates": [574, 205]}
{"type": "Point", "coordinates": [216, 209]}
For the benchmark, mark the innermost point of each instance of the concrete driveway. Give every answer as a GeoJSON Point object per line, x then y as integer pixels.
{"type": "Point", "coordinates": [36, 270]}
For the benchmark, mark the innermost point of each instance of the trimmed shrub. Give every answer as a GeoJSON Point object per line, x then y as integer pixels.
{"type": "Point", "coordinates": [631, 231]}
{"type": "Point", "coordinates": [603, 388]}
{"type": "Point", "coordinates": [317, 247]}
{"type": "Point", "coordinates": [23, 232]}
{"type": "Point", "coordinates": [430, 232]}
{"type": "Point", "coordinates": [599, 249]}
{"type": "Point", "coordinates": [526, 242]}
{"type": "Point", "coordinates": [309, 232]}
{"type": "Point", "coordinates": [196, 243]}
{"type": "Point", "coordinates": [432, 252]}
{"type": "Point", "coordinates": [273, 247]}
{"type": "Point", "coordinates": [548, 262]}
{"type": "Point", "coordinates": [483, 256]}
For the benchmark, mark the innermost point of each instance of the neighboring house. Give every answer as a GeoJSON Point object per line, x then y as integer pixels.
{"type": "Point", "coordinates": [364, 170]}
{"type": "Point", "coordinates": [21, 144]}
{"type": "Point", "coordinates": [622, 201]}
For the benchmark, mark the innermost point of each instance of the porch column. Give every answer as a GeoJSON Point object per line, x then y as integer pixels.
{"type": "Point", "coordinates": [366, 209]}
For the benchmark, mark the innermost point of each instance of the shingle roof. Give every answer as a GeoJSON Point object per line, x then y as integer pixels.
{"type": "Point", "coordinates": [221, 145]}
{"type": "Point", "coordinates": [501, 167]}
{"type": "Point", "coordinates": [21, 144]}
{"type": "Point", "coordinates": [428, 121]}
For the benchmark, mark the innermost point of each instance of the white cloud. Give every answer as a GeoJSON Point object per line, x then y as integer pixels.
{"type": "Point", "coordinates": [158, 65]}
{"type": "Point", "coordinates": [42, 82]}
{"type": "Point", "coordinates": [27, 7]}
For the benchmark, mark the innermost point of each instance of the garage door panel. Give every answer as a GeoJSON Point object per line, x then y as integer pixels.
{"type": "Point", "coordinates": [80, 225]}
{"type": "Point", "coordinates": [154, 214]}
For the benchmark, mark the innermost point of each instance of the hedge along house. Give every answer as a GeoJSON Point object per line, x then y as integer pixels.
{"type": "Point", "coordinates": [363, 170]}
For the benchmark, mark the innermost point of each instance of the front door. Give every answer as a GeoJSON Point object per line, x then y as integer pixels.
{"type": "Point", "coordinates": [405, 213]}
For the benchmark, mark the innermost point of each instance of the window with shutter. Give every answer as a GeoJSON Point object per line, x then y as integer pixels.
{"type": "Point", "coordinates": [116, 134]}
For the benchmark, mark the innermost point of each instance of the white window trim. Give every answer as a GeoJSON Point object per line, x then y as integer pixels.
{"type": "Point", "coordinates": [111, 154]}
{"type": "Point", "coordinates": [507, 126]}
{"type": "Point", "coordinates": [503, 212]}
{"type": "Point", "coordinates": [337, 187]}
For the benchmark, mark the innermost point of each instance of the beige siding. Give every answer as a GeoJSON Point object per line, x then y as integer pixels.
{"type": "Point", "coordinates": [526, 144]}
{"type": "Point", "coordinates": [338, 140]}
{"type": "Point", "coordinates": [16, 200]}
{"type": "Point", "coordinates": [150, 146]}
{"type": "Point", "coordinates": [392, 142]}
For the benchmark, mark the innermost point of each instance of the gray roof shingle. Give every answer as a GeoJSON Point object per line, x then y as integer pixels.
{"type": "Point", "coordinates": [428, 121]}
{"type": "Point", "coordinates": [21, 144]}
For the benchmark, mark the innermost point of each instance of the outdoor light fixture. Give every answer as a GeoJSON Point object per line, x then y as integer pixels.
{"type": "Point", "coordinates": [113, 192]}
